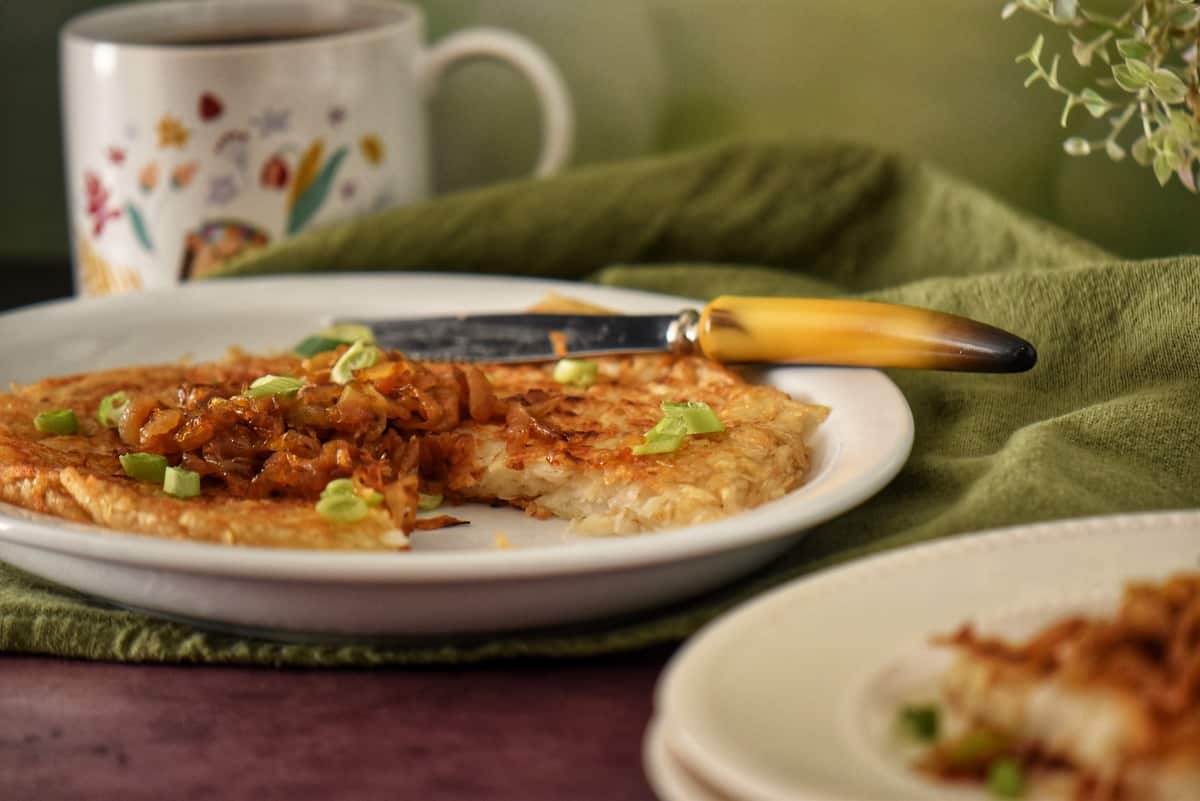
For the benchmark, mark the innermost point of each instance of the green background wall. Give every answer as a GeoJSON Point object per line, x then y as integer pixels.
{"type": "Point", "coordinates": [934, 78]}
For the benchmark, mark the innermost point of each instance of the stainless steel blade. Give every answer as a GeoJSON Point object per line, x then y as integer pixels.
{"type": "Point", "coordinates": [521, 337]}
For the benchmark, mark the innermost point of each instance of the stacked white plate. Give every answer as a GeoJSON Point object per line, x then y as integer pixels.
{"type": "Point", "coordinates": [794, 695]}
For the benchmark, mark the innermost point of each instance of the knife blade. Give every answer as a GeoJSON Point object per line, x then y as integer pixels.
{"type": "Point", "coordinates": [729, 329]}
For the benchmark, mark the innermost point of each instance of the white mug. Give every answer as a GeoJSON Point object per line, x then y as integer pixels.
{"type": "Point", "coordinates": [198, 129]}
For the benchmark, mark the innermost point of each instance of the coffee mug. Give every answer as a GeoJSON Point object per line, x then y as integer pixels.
{"type": "Point", "coordinates": [196, 130]}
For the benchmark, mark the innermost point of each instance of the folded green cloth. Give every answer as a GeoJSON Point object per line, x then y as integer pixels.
{"type": "Point", "coordinates": [1109, 420]}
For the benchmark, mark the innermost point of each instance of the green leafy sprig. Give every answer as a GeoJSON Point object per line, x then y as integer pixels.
{"type": "Point", "coordinates": [1151, 76]}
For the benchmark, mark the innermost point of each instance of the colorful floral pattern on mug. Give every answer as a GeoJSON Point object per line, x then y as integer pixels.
{"type": "Point", "coordinates": [243, 157]}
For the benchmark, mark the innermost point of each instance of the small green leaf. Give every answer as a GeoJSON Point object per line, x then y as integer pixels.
{"type": "Point", "coordinates": [1167, 86]}
{"type": "Point", "coordinates": [1077, 146]}
{"type": "Point", "coordinates": [1065, 10]}
{"type": "Point", "coordinates": [1184, 16]}
{"type": "Point", "coordinates": [1134, 48]}
{"type": "Point", "coordinates": [1186, 176]}
{"type": "Point", "coordinates": [1162, 169]}
{"type": "Point", "coordinates": [1126, 79]}
{"type": "Point", "coordinates": [1009, 9]}
{"type": "Point", "coordinates": [1096, 105]}
{"type": "Point", "coordinates": [1139, 69]}
{"type": "Point", "coordinates": [1113, 150]}
{"type": "Point", "coordinates": [1177, 160]}
{"type": "Point", "coordinates": [1082, 51]}
{"type": "Point", "coordinates": [1141, 152]}
{"type": "Point", "coordinates": [1182, 126]}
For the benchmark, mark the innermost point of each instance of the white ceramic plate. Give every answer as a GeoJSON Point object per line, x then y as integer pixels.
{"type": "Point", "coordinates": [794, 694]}
{"type": "Point", "coordinates": [455, 580]}
{"type": "Point", "coordinates": [670, 779]}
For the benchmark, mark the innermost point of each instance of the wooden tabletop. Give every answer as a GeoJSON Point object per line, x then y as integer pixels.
{"type": "Point", "coordinates": [525, 731]}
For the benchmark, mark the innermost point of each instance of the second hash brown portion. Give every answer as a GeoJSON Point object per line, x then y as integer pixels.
{"type": "Point", "coordinates": [1112, 702]}
{"type": "Point", "coordinates": [498, 434]}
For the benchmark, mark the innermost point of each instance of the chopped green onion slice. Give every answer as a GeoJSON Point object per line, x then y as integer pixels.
{"type": "Point", "coordinates": [339, 486]}
{"type": "Point", "coordinates": [976, 748]}
{"type": "Point", "coordinates": [663, 444]}
{"type": "Point", "coordinates": [576, 372]}
{"type": "Point", "coordinates": [342, 507]}
{"type": "Point", "coordinates": [921, 721]}
{"type": "Point", "coordinates": [329, 338]}
{"type": "Point", "coordinates": [111, 406]}
{"type": "Point", "coordinates": [666, 437]}
{"type": "Point", "coordinates": [311, 346]}
{"type": "Point", "coordinates": [181, 483]}
{"type": "Point", "coordinates": [345, 487]}
{"type": "Point", "coordinates": [1005, 779]}
{"type": "Point", "coordinates": [668, 428]}
{"type": "Point", "coordinates": [149, 467]}
{"type": "Point", "coordinates": [679, 420]}
{"type": "Point", "coordinates": [348, 332]}
{"type": "Point", "coordinates": [59, 421]}
{"type": "Point", "coordinates": [358, 356]}
{"type": "Point", "coordinates": [699, 416]}
{"type": "Point", "coordinates": [269, 385]}
{"type": "Point", "coordinates": [427, 503]}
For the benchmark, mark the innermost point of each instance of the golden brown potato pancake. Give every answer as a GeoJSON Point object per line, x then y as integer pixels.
{"type": "Point", "coordinates": [500, 433]}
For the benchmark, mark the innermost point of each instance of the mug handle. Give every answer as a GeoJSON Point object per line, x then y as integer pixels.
{"type": "Point", "coordinates": [558, 118]}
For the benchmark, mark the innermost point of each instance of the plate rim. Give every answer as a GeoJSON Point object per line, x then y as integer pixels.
{"type": "Point", "coordinates": [662, 768]}
{"type": "Point", "coordinates": [694, 748]}
{"type": "Point", "coordinates": [95, 542]}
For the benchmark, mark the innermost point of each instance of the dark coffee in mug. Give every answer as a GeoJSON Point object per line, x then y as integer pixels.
{"type": "Point", "coordinates": [248, 37]}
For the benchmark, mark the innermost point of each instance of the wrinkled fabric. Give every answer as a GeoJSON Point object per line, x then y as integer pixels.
{"type": "Point", "coordinates": [1108, 421]}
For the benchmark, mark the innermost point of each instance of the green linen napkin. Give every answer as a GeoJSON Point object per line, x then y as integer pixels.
{"type": "Point", "coordinates": [1109, 420]}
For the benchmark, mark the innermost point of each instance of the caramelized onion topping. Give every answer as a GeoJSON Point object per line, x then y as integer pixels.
{"type": "Point", "coordinates": [389, 428]}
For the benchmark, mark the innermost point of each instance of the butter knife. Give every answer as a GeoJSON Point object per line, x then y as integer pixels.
{"type": "Point", "coordinates": [729, 329]}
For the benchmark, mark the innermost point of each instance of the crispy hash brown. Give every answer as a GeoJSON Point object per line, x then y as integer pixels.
{"type": "Point", "coordinates": [508, 434]}
{"type": "Point", "coordinates": [1116, 701]}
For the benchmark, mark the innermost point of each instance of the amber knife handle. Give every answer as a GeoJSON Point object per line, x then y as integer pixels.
{"type": "Point", "coordinates": [853, 332]}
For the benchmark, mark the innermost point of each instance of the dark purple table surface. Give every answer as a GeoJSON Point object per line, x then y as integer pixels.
{"type": "Point", "coordinates": [525, 731]}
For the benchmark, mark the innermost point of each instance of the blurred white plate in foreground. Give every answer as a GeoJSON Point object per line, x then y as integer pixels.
{"type": "Point", "coordinates": [793, 694]}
